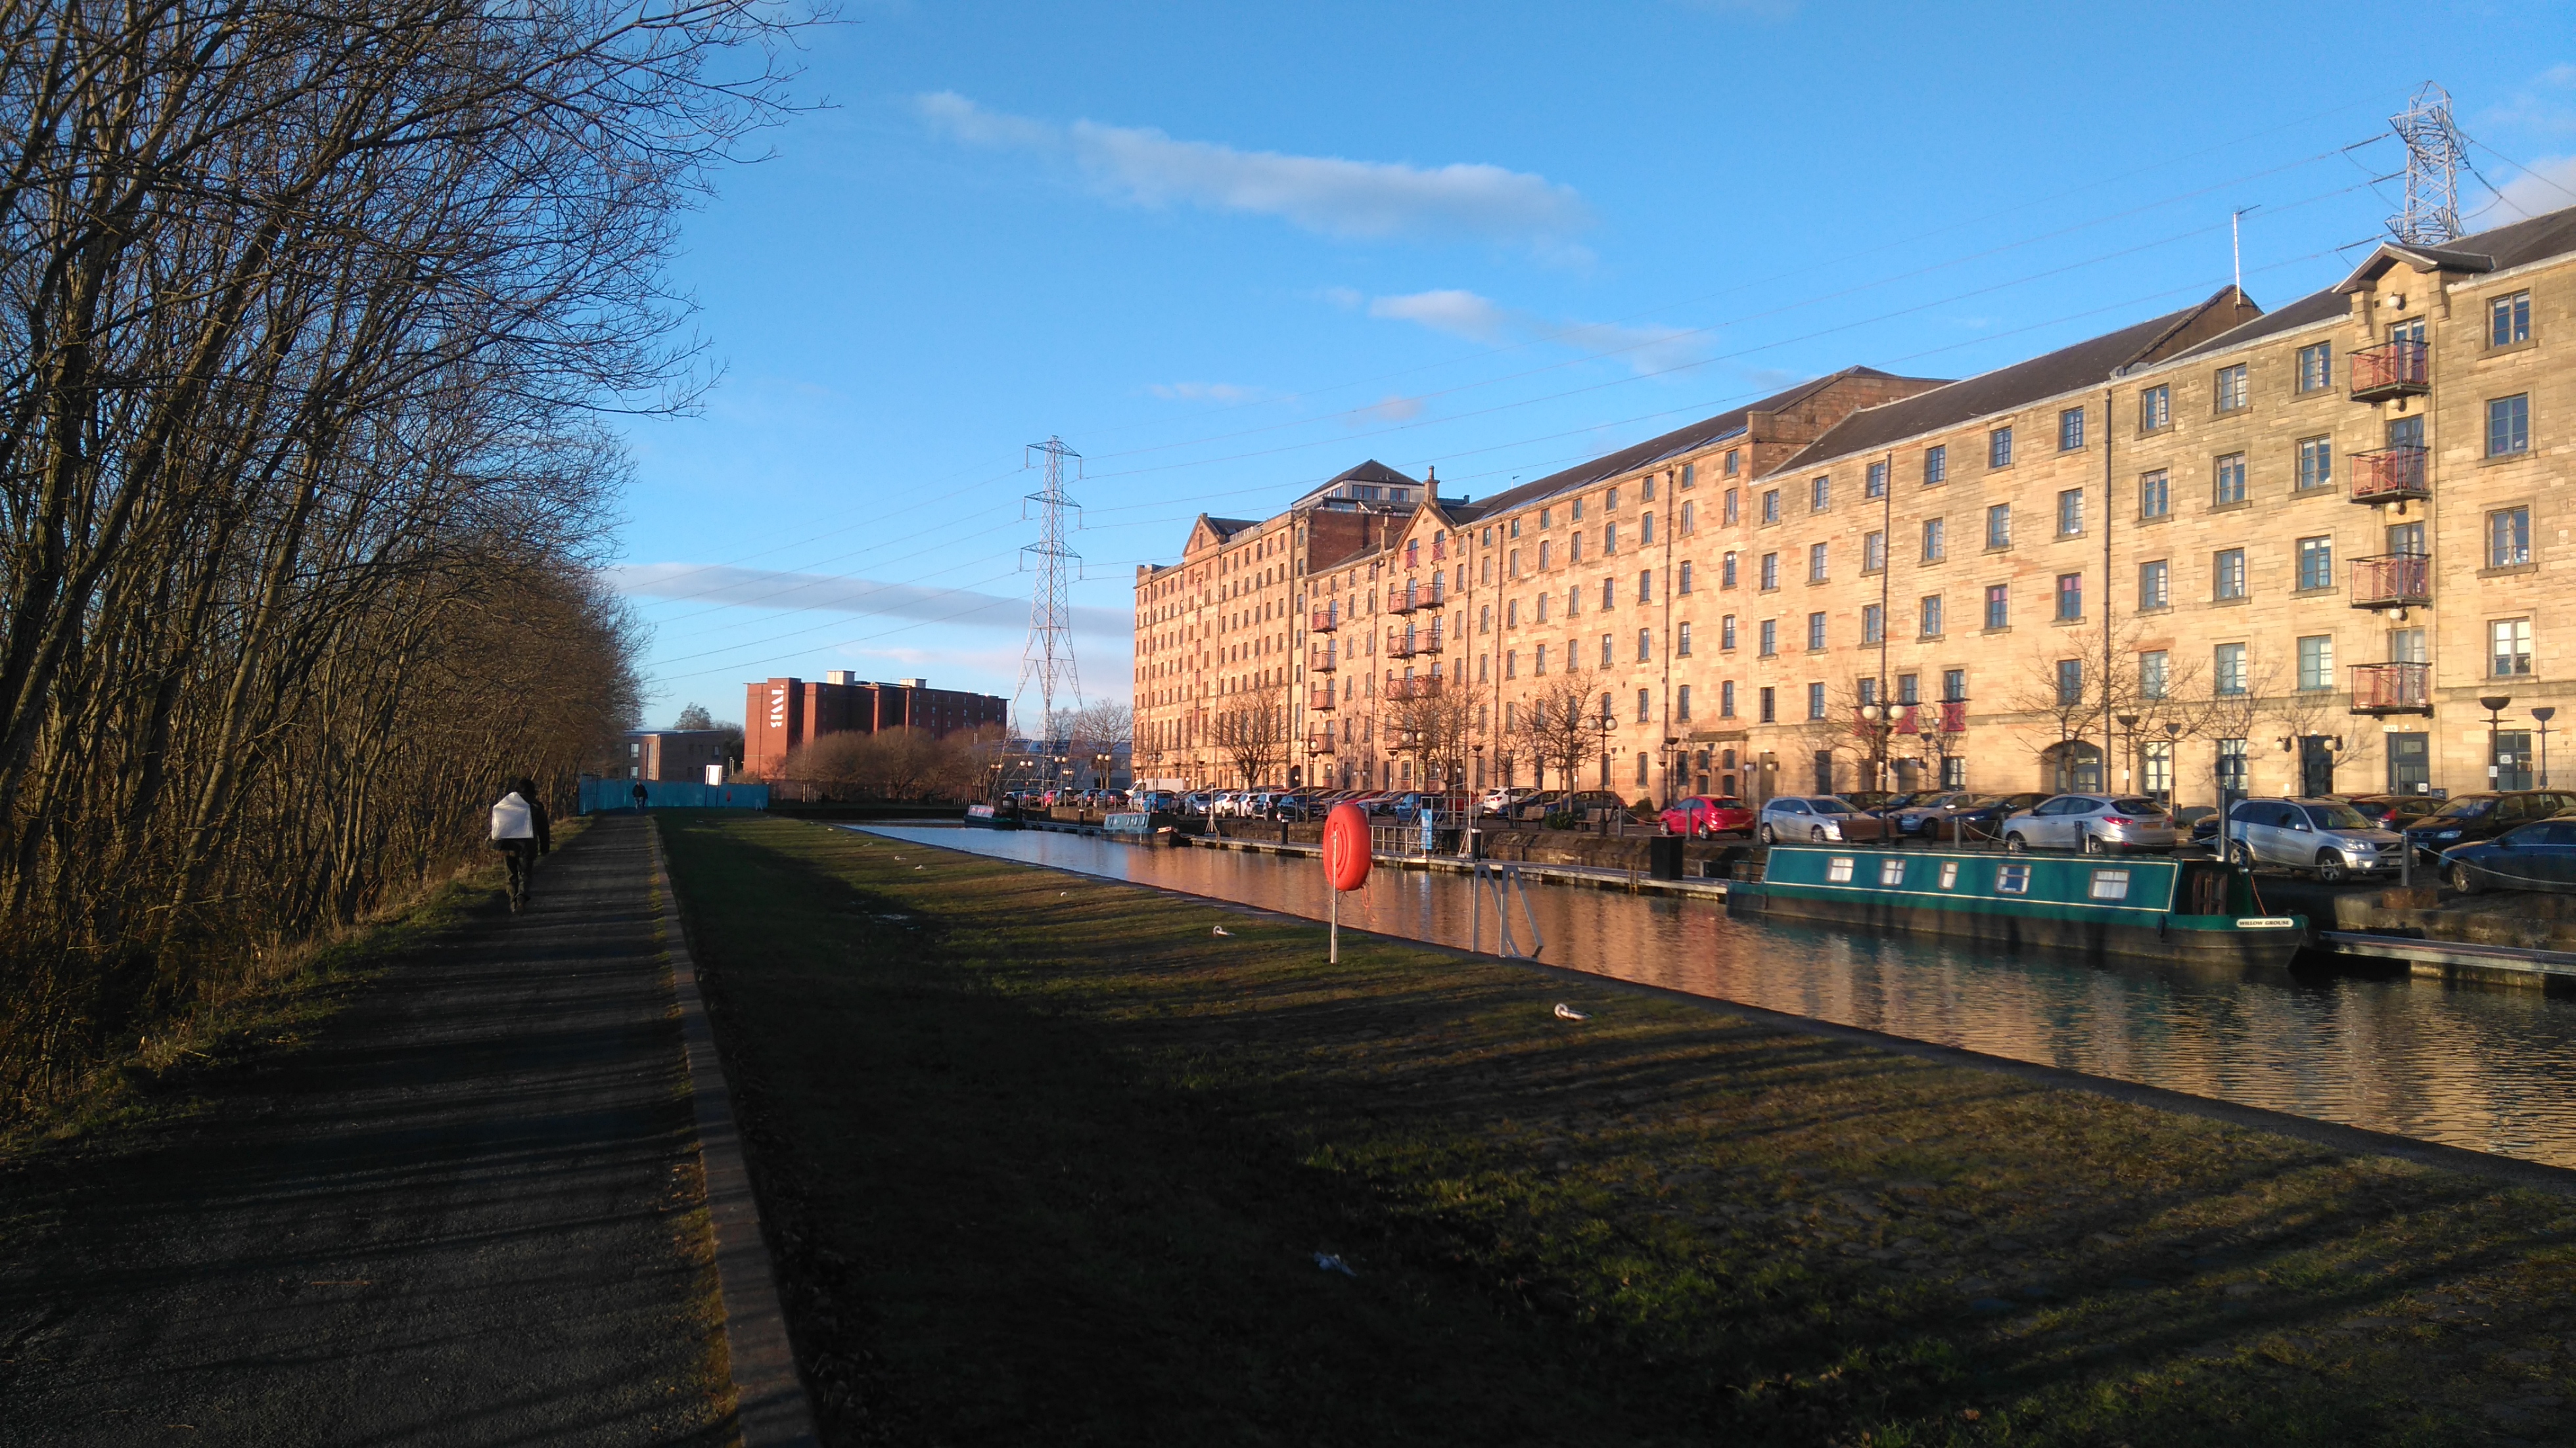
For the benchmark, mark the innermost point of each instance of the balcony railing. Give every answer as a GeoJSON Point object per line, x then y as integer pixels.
{"type": "Point", "coordinates": [2390, 475]}
{"type": "Point", "coordinates": [2392, 580]}
{"type": "Point", "coordinates": [1400, 600]}
{"type": "Point", "coordinates": [1416, 688]}
{"type": "Point", "coordinates": [1319, 741]}
{"type": "Point", "coordinates": [1324, 620]}
{"type": "Point", "coordinates": [2392, 688]}
{"type": "Point", "coordinates": [2391, 369]}
{"type": "Point", "coordinates": [1401, 644]}
{"type": "Point", "coordinates": [1319, 699]}
{"type": "Point", "coordinates": [1320, 661]}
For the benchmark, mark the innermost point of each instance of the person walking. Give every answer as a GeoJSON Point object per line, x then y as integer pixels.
{"type": "Point", "coordinates": [641, 794]}
{"type": "Point", "coordinates": [520, 832]}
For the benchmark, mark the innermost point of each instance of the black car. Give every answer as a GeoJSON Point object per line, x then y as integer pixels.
{"type": "Point", "coordinates": [2395, 811]}
{"type": "Point", "coordinates": [2468, 818]}
{"type": "Point", "coordinates": [1984, 820]}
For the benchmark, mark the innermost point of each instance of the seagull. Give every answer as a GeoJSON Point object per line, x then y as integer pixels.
{"type": "Point", "coordinates": [1566, 1012]}
{"type": "Point", "coordinates": [1221, 930]}
{"type": "Point", "coordinates": [921, 867]}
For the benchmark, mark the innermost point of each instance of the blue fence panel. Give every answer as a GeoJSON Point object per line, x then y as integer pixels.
{"type": "Point", "coordinates": [613, 794]}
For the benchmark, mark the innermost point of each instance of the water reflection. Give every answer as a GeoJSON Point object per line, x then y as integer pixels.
{"type": "Point", "coordinates": [2484, 1069]}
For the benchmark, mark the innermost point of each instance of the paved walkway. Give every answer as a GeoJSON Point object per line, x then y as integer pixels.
{"type": "Point", "coordinates": [456, 1218]}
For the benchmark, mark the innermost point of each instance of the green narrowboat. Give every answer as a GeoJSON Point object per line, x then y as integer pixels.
{"type": "Point", "coordinates": [2192, 911]}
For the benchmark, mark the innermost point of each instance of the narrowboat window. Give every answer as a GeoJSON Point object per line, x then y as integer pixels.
{"type": "Point", "coordinates": [1891, 872]}
{"type": "Point", "coordinates": [2110, 884]}
{"type": "Point", "coordinates": [1949, 874]}
{"type": "Point", "coordinates": [2012, 879]}
{"type": "Point", "coordinates": [1838, 871]}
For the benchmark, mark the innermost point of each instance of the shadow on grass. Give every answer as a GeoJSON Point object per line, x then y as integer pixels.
{"type": "Point", "coordinates": [1049, 1162]}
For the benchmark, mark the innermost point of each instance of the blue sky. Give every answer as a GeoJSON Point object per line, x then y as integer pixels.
{"type": "Point", "coordinates": [1227, 251]}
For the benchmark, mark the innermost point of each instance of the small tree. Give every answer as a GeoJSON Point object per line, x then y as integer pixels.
{"type": "Point", "coordinates": [1436, 720]}
{"type": "Point", "coordinates": [1556, 724]}
{"type": "Point", "coordinates": [694, 716]}
{"type": "Point", "coordinates": [1251, 732]}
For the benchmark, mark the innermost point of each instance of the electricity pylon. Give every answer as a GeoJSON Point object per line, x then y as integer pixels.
{"type": "Point", "coordinates": [1047, 660]}
{"type": "Point", "coordinates": [2435, 152]}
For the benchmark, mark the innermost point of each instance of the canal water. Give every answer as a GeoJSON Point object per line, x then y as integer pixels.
{"type": "Point", "coordinates": [2486, 1069]}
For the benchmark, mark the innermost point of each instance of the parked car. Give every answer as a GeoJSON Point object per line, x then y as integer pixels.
{"type": "Point", "coordinates": [1582, 802]}
{"type": "Point", "coordinates": [1500, 800]}
{"type": "Point", "coordinates": [1929, 814]}
{"type": "Point", "coordinates": [1537, 806]}
{"type": "Point", "coordinates": [2326, 836]}
{"type": "Point", "coordinates": [1793, 818]}
{"type": "Point", "coordinates": [1979, 816]}
{"type": "Point", "coordinates": [2465, 819]}
{"type": "Point", "coordinates": [1702, 815]}
{"type": "Point", "coordinates": [2094, 823]}
{"type": "Point", "coordinates": [1157, 801]}
{"type": "Point", "coordinates": [2395, 811]}
{"type": "Point", "coordinates": [2540, 855]}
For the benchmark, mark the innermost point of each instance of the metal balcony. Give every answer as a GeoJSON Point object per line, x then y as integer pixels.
{"type": "Point", "coordinates": [2392, 580]}
{"type": "Point", "coordinates": [1400, 600]}
{"type": "Point", "coordinates": [2391, 369]}
{"type": "Point", "coordinates": [1320, 661]}
{"type": "Point", "coordinates": [2391, 475]}
{"type": "Point", "coordinates": [1319, 699]}
{"type": "Point", "coordinates": [1319, 741]}
{"type": "Point", "coordinates": [1401, 645]}
{"type": "Point", "coordinates": [2392, 688]}
{"type": "Point", "coordinates": [1416, 688]}
{"type": "Point", "coordinates": [1324, 620]}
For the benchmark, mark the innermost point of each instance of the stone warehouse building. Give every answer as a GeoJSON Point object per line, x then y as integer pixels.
{"type": "Point", "coordinates": [2287, 550]}
{"type": "Point", "coordinates": [780, 714]}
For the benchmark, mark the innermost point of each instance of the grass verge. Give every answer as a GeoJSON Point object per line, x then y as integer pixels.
{"type": "Point", "coordinates": [1052, 1161]}
{"type": "Point", "coordinates": [271, 1006]}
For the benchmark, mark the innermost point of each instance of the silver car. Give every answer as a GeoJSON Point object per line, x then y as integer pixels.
{"type": "Point", "coordinates": [2326, 836]}
{"type": "Point", "coordinates": [1816, 818]}
{"type": "Point", "coordinates": [2097, 824]}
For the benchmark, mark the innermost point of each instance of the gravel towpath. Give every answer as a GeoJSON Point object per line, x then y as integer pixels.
{"type": "Point", "coordinates": [464, 1214]}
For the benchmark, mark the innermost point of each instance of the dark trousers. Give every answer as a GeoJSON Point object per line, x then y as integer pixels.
{"type": "Point", "coordinates": [521, 857]}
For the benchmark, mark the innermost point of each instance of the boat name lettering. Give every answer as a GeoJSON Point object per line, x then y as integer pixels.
{"type": "Point", "coordinates": [2266, 922]}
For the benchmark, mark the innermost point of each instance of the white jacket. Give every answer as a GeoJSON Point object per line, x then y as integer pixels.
{"type": "Point", "coordinates": [512, 819]}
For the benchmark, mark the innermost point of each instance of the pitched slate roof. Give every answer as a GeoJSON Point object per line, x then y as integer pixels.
{"type": "Point", "coordinates": [2500, 248]}
{"type": "Point", "coordinates": [1654, 449]}
{"type": "Point", "coordinates": [2006, 389]}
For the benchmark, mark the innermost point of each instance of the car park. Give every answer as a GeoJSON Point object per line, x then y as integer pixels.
{"type": "Point", "coordinates": [1814, 818]}
{"type": "Point", "coordinates": [2539, 855]}
{"type": "Point", "coordinates": [2093, 823]}
{"type": "Point", "coordinates": [2395, 811]}
{"type": "Point", "coordinates": [2324, 836]}
{"type": "Point", "coordinates": [1702, 815]}
{"type": "Point", "coordinates": [2465, 819]}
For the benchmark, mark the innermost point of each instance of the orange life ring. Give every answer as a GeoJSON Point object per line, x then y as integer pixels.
{"type": "Point", "coordinates": [1346, 847]}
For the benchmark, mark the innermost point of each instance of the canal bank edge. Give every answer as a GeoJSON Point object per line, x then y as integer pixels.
{"type": "Point", "coordinates": [2355, 1140]}
{"type": "Point", "coordinates": [770, 1406]}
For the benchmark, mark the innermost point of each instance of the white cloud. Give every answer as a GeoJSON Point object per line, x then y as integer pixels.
{"type": "Point", "coordinates": [1324, 194]}
{"type": "Point", "coordinates": [828, 593]}
{"type": "Point", "coordinates": [1481, 319]}
{"type": "Point", "coordinates": [2550, 185]}
{"type": "Point", "coordinates": [1390, 408]}
{"type": "Point", "coordinates": [1204, 391]}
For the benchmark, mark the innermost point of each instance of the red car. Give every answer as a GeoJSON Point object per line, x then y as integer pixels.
{"type": "Point", "coordinates": [1702, 815]}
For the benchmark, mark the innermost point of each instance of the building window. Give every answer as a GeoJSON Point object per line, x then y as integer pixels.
{"type": "Point", "coordinates": [1908, 689]}
{"type": "Point", "coordinates": [2508, 537]}
{"type": "Point", "coordinates": [2231, 765]}
{"type": "Point", "coordinates": [1543, 548]}
{"type": "Point", "coordinates": [1770, 705]}
{"type": "Point", "coordinates": [1726, 699]}
{"type": "Point", "coordinates": [1999, 525]}
{"type": "Point", "coordinates": [1690, 515]}
{"type": "Point", "coordinates": [1873, 623]}
{"type": "Point", "coordinates": [2509, 425]}
{"type": "Point", "coordinates": [1998, 605]}
{"type": "Point", "coordinates": [1816, 701]}
{"type": "Point", "coordinates": [1645, 645]}
{"type": "Point", "coordinates": [2070, 682]}
{"type": "Point", "coordinates": [1936, 464]}
{"type": "Point", "coordinates": [2070, 429]}
{"type": "Point", "coordinates": [2406, 646]}
{"type": "Point", "coordinates": [1770, 570]}
{"type": "Point", "coordinates": [1726, 571]}
{"type": "Point", "coordinates": [1929, 611]}
{"type": "Point", "coordinates": [1934, 548]}
{"type": "Point", "coordinates": [1820, 494]}
{"type": "Point", "coordinates": [2153, 585]}
{"type": "Point", "coordinates": [1690, 476]}
{"type": "Point", "coordinates": [2154, 501]}
{"type": "Point", "coordinates": [1770, 505]}
{"type": "Point", "coordinates": [2227, 669]}
{"type": "Point", "coordinates": [1681, 640]}
{"type": "Point", "coordinates": [1681, 703]}
{"type": "Point", "coordinates": [1999, 448]}
{"type": "Point", "coordinates": [1578, 510]}
{"type": "Point", "coordinates": [2070, 512]}
{"type": "Point", "coordinates": [1873, 553]}
{"type": "Point", "coordinates": [1726, 632]}
{"type": "Point", "coordinates": [1877, 484]}
{"type": "Point", "coordinates": [1608, 657]}
{"type": "Point", "coordinates": [2509, 320]}
{"type": "Point", "coordinates": [2230, 480]}
{"type": "Point", "coordinates": [1770, 636]}
{"type": "Point", "coordinates": [1645, 699]}
{"type": "Point", "coordinates": [2155, 409]}
{"type": "Point", "coordinates": [2316, 662]}
{"type": "Point", "coordinates": [1731, 463]}
{"type": "Point", "coordinates": [2316, 563]}
{"type": "Point", "coordinates": [2070, 597]}
{"type": "Point", "coordinates": [2227, 574]}
{"type": "Point", "coordinates": [2316, 367]}
{"type": "Point", "coordinates": [1815, 632]}
{"type": "Point", "coordinates": [1682, 583]}
{"type": "Point", "coordinates": [2230, 388]}
{"type": "Point", "coordinates": [1732, 510]}
{"type": "Point", "coordinates": [2153, 673]}
{"type": "Point", "coordinates": [1609, 538]}
{"type": "Point", "coordinates": [1954, 686]}
{"type": "Point", "coordinates": [2155, 761]}
{"type": "Point", "coordinates": [2316, 462]}
{"type": "Point", "coordinates": [1609, 593]}
{"type": "Point", "coordinates": [1815, 563]}
{"type": "Point", "coordinates": [2509, 647]}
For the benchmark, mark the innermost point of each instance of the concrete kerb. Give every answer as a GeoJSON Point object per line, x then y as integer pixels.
{"type": "Point", "coordinates": [770, 1406]}
{"type": "Point", "coordinates": [2358, 1141]}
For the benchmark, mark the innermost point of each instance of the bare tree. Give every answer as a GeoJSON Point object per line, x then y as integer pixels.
{"type": "Point", "coordinates": [1435, 721]}
{"type": "Point", "coordinates": [1556, 723]}
{"type": "Point", "coordinates": [1251, 732]}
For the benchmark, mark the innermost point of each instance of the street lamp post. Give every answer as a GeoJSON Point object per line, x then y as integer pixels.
{"type": "Point", "coordinates": [2129, 758]}
{"type": "Point", "coordinates": [1874, 714]}
{"type": "Point", "coordinates": [1605, 726]}
{"type": "Point", "coordinates": [2544, 713]}
{"type": "Point", "coordinates": [2494, 704]}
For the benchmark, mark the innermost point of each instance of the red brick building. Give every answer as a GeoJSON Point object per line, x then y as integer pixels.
{"type": "Point", "coordinates": [780, 714]}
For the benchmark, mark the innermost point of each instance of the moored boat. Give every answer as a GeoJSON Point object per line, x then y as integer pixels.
{"type": "Point", "coordinates": [2192, 911]}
